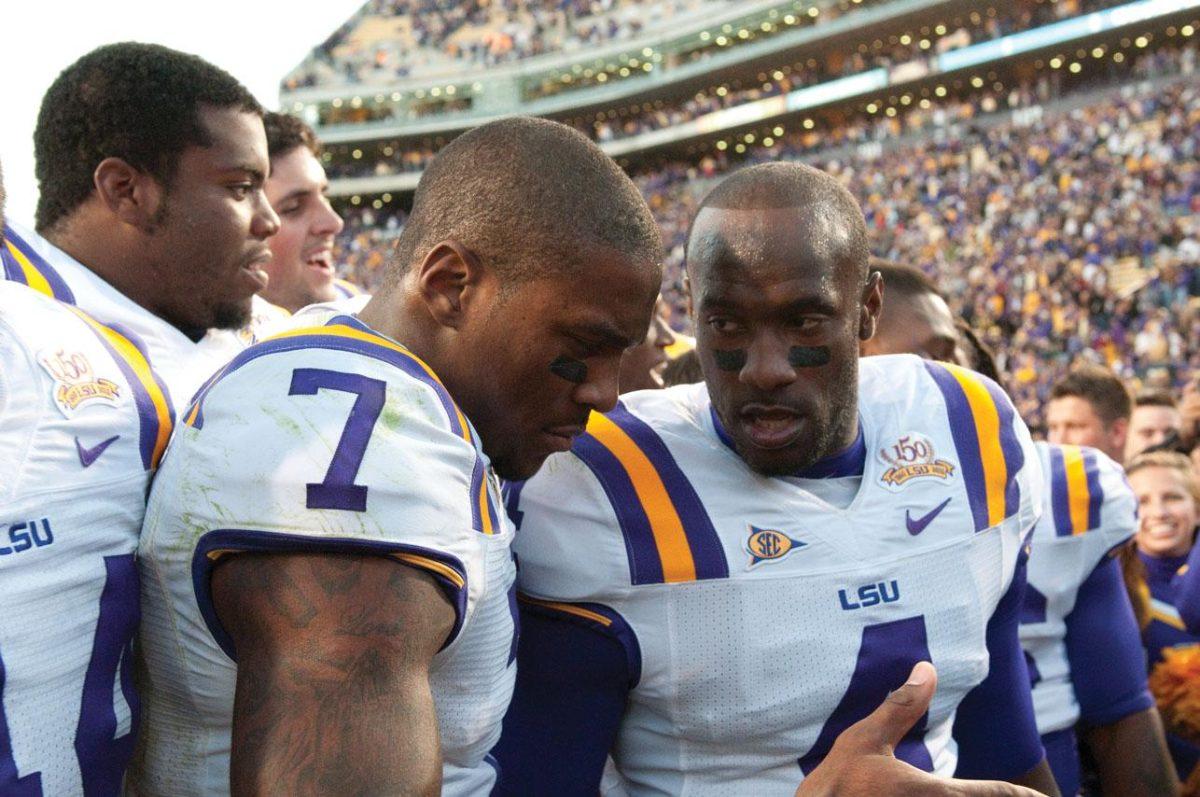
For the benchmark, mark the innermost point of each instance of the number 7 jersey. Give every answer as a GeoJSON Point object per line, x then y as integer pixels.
{"type": "Point", "coordinates": [326, 438]}
{"type": "Point", "coordinates": [83, 422]}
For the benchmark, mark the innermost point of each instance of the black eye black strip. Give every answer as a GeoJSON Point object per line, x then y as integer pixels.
{"type": "Point", "coordinates": [730, 359]}
{"type": "Point", "coordinates": [570, 369]}
{"type": "Point", "coordinates": [808, 356]}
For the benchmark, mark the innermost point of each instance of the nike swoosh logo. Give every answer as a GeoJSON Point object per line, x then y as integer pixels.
{"type": "Point", "coordinates": [915, 527]}
{"type": "Point", "coordinates": [89, 455]}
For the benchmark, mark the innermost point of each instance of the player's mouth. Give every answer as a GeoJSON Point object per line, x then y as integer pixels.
{"type": "Point", "coordinates": [563, 437]}
{"type": "Point", "coordinates": [254, 272]}
{"type": "Point", "coordinates": [770, 426]}
{"type": "Point", "coordinates": [321, 260]}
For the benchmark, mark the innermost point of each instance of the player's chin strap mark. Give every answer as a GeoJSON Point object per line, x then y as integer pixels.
{"type": "Point", "coordinates": [569, 369]}
{"type": "Point", "coordinates": [798, 357]}
{"type": "Point", "coordinates": [808, 356]}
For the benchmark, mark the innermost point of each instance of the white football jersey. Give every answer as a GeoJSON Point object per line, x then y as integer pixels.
{"type": "Point", "coordinates": [763, 619]}
{"type": "Point", "coordinates": [327, 438]}
{"type": "Point", "coordinates": [184, 364]}
{"type": "Point", "coordinates": [1089, 510]}
{"type": "Point", "coordinates": [83, 421]}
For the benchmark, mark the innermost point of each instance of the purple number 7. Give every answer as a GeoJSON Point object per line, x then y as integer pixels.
{"type": "Point", "coordinates": [338, 490]}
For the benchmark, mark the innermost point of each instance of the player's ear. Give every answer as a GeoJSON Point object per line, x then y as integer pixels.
{"type": "Point", "coordinates": [687, 294]}
{"type": "Point", "coordinates": [445, 278]}
{"type": "Point", "coordinates": [872, 304]}
{"type": "Point", "coordinates": [129, 193]}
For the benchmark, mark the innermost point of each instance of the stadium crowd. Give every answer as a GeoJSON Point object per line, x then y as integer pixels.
{"type": "Point", "coordinates": [1016, 221]}
{"type": "Point", "coordinates": [901, 48]}
{"type": "Point", "coordinates": [458, 35]}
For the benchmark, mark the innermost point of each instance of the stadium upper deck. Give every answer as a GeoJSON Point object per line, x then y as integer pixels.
{"type": "Point", "coordinates": [953, 52]}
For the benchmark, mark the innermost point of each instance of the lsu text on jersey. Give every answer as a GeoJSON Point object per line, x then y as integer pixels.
{"type": "Point", "coordinates": [83, 423]}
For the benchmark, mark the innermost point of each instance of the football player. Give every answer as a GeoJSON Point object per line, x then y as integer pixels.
{"type": "Point", "coordinates": [718, 579]}
{"type": "Point", "coordinates": [1077, 626]}
{"type": "Point", "coordinates": [327, 577]}
{"type": "Point", "coordinates": [301, 269]}
{"type": "Point", "coordinates": [151, 211]}
{"type": "Point", "coordinates": [83, 422]}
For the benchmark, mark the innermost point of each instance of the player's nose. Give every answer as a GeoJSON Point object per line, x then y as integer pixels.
{"type": "Point", "coordinates": [767, 367]}
{"type": "Point", "coordinates": [602, 387]}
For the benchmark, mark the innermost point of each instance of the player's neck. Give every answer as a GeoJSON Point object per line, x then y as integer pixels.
{"type": "Point", "coordinates": [97, 248]}
{"type": "Point", "coordinates": [386, 314]}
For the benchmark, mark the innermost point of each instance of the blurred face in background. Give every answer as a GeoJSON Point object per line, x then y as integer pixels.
{"type": "Point", "coordinates": [1072, 420]}
{"type": "Point", "coordinates": [301, 268]}
{"type": "Point", "coordinates": [642, 366]}
{"type": "Point", "coordinates": [1149, 426]}
{"type": "Point", "coordinates": [922, 325]}
{"type": "Point", "coordinates": [1167, 511]}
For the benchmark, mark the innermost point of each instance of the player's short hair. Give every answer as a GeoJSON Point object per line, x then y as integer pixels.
{"type": "Point", "coordinates": [683, 370]}
{"type": "Point", "coordinates": [525, 195]}
{"type": "Point", "coordinates": [1168, 459]}
{"type": "Point", "coordinates": [770, 186]}
{"type": "Point", "coordinates": [901, 280]}
{"type": "Point", "coordinates": [137, 102]}
{"type": "Point", "coordinates": [286, 132]}
{"type": "Point", "coordinates": [1099, 387]}
{"type": "Point", "coordinates": [1155, 398]}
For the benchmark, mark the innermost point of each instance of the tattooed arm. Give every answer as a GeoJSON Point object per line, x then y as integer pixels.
{"type": "Point", "coordinates": [333, 656]}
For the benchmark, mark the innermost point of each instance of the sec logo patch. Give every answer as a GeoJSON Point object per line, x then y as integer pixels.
{"type": "Point", "coordinates": [769, 545]}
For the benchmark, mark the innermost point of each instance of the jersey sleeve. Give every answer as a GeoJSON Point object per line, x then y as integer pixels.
{"type": "Point", "coordinates": [310, 450]}
{"type": "Point", "coordinates": [575, 666]}
{"type": "Point", "coordinates": [1090, 500]}
{"type": "Point", "coordinates": [1108, 663]}
{"type": "Point", "coordinates": [995, 727]}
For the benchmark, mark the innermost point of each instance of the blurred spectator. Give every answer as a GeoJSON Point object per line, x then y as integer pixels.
{"type": "Point", "coordinates": [1155, 420]}
{"type": "Point", "coordinates": [1168, 508]}
{"type": "Point", "coordinates": [642, 366]}
{"type": "Point", "coordinates": [1090, 406]}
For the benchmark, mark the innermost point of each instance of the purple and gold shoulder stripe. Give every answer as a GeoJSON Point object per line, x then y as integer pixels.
{"type": "Point", "coordinates": [669, 537]}
{"type": "Point", "coordinates": [1075, 492]}
{"type": "Point", "coordinates": [983, 426]}
{"type": "Point", "coordinates": [156, 415]}
{"type": "Point", "coordinates": [21, 263]}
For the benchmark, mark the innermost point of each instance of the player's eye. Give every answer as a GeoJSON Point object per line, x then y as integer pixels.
{"type": "Point", "coordinates": [242, 190]}
{"type": "Point", "coordinates": [724, 326]}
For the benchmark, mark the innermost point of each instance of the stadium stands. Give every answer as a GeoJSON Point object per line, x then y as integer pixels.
{"type": "Point", "coordinates": [1018, 220]}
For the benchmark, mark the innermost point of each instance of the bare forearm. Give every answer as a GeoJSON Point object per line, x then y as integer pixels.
{"type": "Point", "coordinates": [333, 692]}
{"type": "Point", "coordinates": [333, 728]}
{"type": "Point", "coordinates": [1131, 756]}
{"type": "Point", "coordinates": [1039, 778]}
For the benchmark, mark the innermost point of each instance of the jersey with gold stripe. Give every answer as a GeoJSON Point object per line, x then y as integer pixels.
{"type": "Point", "coordinates": [760, 619]}
{"type": "Point", "coordinates": [1089, 510]}
{"type": "Point", "coordinates": [323, 438]}
{"type": "Point", "coordinates": [83, 422]}
{"type": "Point", "coordinates": [29, 259]}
